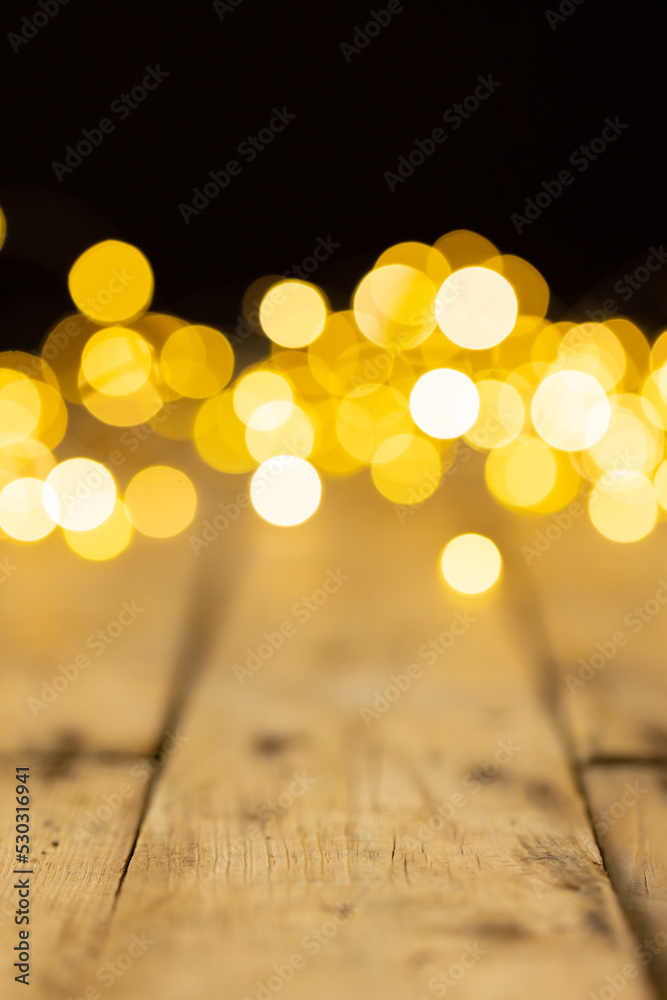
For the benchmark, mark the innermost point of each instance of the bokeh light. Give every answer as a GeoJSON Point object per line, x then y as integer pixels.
{"type": "Point", "coordinates": [476, 308]}
{"type": "Point", "coordinates": [471, 563]}
{"type": "Point", "coordinates": [444, 403]}
{"type": "Point", "coordinates": [23, 510]}
{"type": "Point", "coordinates": [292, 313]}
{"type": "Point", "coordinates": [82, 494]}
{"type": "Point", "coordinates": [285, 490]}
{"type": "Point", "coordinates": [111, 282]}
{"type": "Point", "coordinates": [161, 501]}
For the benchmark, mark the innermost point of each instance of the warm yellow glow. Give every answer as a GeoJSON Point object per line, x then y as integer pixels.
{"type": "Point", "coordinates": [62, 350]}
{"type": "Point", "coordinates": [654, 397]}
{"type": "Point", "coordinates": [27, 458]}
{"type": "Point", "coordinates": [197, 361]}
{"type": "Point", "coordinates": [406, 469]}
{"type": "Point", "coordinates": [501, 415]}
{"type": "Point", "coordinates": [111, 282]}
{"type": "Point", "coordinates": [160, 501]}
{"type": "Point", "coordinates": [523, 473]}
{"type": "Point", "coordinates": [256, 389]}
{"type": "Point", "coordinates": [3, 229]}
{"type": "Point", "coordinates": [660, 485]}
{"type": "Point", "coordinates": [271, 433]}
{"type": "Point", "coordinates": [20, 406]}
{"type": "Point", "coordinates": [122, 411]}
{"type": "Point", "coordinates": [420, 256]}
{"type": "Point", "coordinates": [444, 403]}
{"type": "Point", "coordinates": [476, 308]}
{"type": "Point", "coordinates": [632, 442]}
{"type": "Point", "coordinates": [593, 348]}
{"type": "Point", "coordinates": [109, 539]}
{"type": "Point", "coordinates": [52, 422]}
{"type": "Point", "coordinates": [570, 410]}
{"type": "Point", "coordinates": [219, 435]}
{"type": "Point", "coordinates": [23, 514]}
{"type": "Point", "coordinates": [285, 490]}
{"type": "Point", "coordinates": [292, 313]}
{"type": "Point", "coordinates": [82, 494]}
{"type": "Point", "coordinates": [366, 418]}
{"type": "Point", "coordinates": [394, 306]}
{"type": "Point", "coordinates": [463, 248]}
{"type": "Point", "coordinates": [471, 563]}
{"type": "Point", "coordinates": [116, 361]}
{"type": "Point", "coordinates": [530, 288]}
{"type": "Point", "coordinates": [328, 453]}
{"type": "Point", "coordinates": [623, 506]}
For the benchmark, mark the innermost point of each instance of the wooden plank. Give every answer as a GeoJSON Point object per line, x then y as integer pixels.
{"type": "Point", "coordinates": [600, 611]}
{"type": "Point", "coordinates": [82, 830]}
{"type": "Point", "coordinates": [379, 856]}
{"type": "Point", "coordinates": [629, 806]}
{"type": "Point", "coordinates": [91, 648]}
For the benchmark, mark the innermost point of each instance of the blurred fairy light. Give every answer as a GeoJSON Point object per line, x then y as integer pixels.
{"type": "Point", "coordinates": [444, 403]}
{"type": "Point", "coordinates": [285, 490]}
{"type": "Point", "coordinates": [471, 563]}
{"type": "Point", "coordinates": [439, 343]}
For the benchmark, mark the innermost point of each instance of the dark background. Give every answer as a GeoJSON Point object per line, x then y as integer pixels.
{"type": "Point", "coordinates": [324, 175]}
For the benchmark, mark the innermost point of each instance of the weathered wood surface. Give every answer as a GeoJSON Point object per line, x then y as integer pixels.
{"type": "Point", "coordinates": [90, 649]}
{"type": "Point", "coordinates": [629, 807]}
{"type": "Point", "coordinates": [602, 610]}
{"type": "Point", "coordinates": [423, 839]}
{"type": "Point", "coordinates": [82, 830]}
{"type": "Point", "coordinates": [445, 844]}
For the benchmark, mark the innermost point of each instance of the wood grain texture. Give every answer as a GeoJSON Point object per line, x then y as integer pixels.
{"type": "Point", "coordinates": [629, 806]}
{"type": "Point", "coordinates": [90, 648]}
{"type": "Point", "coordinates": [445, 838]}
{"type": "Point", "coordinates": [82, 829]}
{"type": "Point", "coordinates": [601, 611]}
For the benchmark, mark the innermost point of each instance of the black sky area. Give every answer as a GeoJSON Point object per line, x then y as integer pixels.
{"type": "Point", "coordinates": [360, 102]}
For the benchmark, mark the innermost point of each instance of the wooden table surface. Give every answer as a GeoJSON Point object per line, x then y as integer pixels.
{"type": "Point", "coordinates": [215, 817]}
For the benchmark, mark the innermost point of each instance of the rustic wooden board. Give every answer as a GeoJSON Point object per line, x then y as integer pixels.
{"type": "Point", "coordinates": [82, 830]}
{"type": "Point", "coordinates": [593, 603]}
{"type": "Point", "coordinates": [629, 806]}
{"type": "Point", "coordinates": [420, 848]}
{"type": "Point", "coordinates": [92, 649]}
